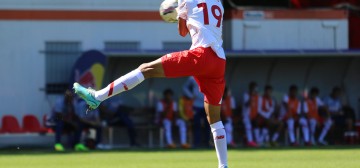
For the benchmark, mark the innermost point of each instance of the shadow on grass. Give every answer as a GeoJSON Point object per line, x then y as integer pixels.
{"type": "Point", "coordinates": [47, 151]}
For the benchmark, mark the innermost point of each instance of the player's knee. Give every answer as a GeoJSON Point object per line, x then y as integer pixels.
{"type": "Point", "coordinates": [145, 69]}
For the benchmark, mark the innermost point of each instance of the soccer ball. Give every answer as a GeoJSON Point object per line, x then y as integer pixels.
{"type": "Point", "coordinates": [168, 11]}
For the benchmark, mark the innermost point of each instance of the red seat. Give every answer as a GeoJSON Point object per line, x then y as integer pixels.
{"type": "Point", "coordinates": [10, 125]}
{"type": "Point", "coordinates": [32, 124]}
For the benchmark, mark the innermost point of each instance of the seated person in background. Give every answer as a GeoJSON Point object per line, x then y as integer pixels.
{"type": "Point", "coordinates": [250, 110]}
{"type": "Point", "coordinates": [167, 111]}
{"type": "Point", "coordinates": [334, 106]}
{"type": "Point", "coordinates": [115, 114]}
{"type": "Point", "coordinates": [66, 120]}
{"type": "Point", "coordinates": [291, 113]}
{"type": "Point", "coordinates": [88, 120]}
{"type": "Point", "coordinates": [186, 112]}
{"type": "Point", "coordinates": [350, 133]}
{"type": "Point", "coordinates": [201, 128]}
{"type": "Point", "coordinates": [227, 107]}
{"type": "Point", "coordinates": [311, 109]}
{"type": "Point", "coordinates": [266, 111]}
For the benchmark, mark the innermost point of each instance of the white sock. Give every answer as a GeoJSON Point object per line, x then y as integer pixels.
{"type": "Point", "coordinates": [265, 135]}
{"type": "Point", "coordinates": [313, 124]}
{"type": "Point", "coordinates": [219, 136]}
{"type": "Point", "coordinates": [167, 127]}
{"type": "Point", "coordinates": [275, 137]}
{"type": "Point", "coordinates": [290, 124]}
{"type": "Point", "coordinates": [121, 84]}
{"type": "Point", "coordinates": [248, 131]}
{"type": "Point", "coordinates": [182, 130]}
{"type": "Point", "coordinates": [325, 130]}
{"type": "Point", "coordinates": [305, 129]}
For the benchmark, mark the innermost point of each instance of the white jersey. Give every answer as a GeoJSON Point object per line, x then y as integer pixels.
{"type": "Point", "coordinates": [204, 21]}
{"type": "Point", "coordinates": [319, 103]}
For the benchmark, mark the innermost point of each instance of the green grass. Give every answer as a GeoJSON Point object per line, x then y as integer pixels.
{"type": "Point", "coordinates": [244, 158]}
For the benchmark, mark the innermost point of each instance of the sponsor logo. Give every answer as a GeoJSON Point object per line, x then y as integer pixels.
{"type": "Point", "coordinates": [89, 69]}
{"type": "Point", "coordinates": [168, 10]}
{"type": "Point", "coordinates": [220, 137]}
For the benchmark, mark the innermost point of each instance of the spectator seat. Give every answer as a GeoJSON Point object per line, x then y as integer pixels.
{"type": "Point", "coordinates": [10, 125]}
{"type": "Point", "coordinates": [32, 125]}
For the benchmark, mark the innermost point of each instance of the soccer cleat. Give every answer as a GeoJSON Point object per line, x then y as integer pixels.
{"type": "Point", "coordinates": [252, 144]}
{"type": "Point", "coordinates": [58, 147]}
{"type": "Point", "coordinates": [81, 147]}
{"type": "Point", "coordinates": [171, 146]}
{"type": "Point", "coordinates": [87, 95]}
{"type": "Point", "coordinates": [185, 146]}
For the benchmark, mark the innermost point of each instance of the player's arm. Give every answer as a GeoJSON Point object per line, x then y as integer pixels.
{"type": "Point", "coordinates": [272, 108]}
{"type": "Point", "coordinates": [183, 30]}
{"type": "Point", "coordinates": [182, 11]}
{"type": "Point", "coordinates": [246, 100]}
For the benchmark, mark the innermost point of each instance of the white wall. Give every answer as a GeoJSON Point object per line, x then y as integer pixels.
{"type": "Point", "coordinates": [288, 34]}
{"type": "Point", "coordinates": [22, 70]}
{"type": "Point", "coordinates": [82, 4]}
{"type": "Point", "coordinates": [22, 66]}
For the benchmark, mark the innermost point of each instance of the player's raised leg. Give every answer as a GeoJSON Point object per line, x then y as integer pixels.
{"type": "Point", "coordinates": [130, 80]}
{"type": "Point", "coordinates": [219, 134]}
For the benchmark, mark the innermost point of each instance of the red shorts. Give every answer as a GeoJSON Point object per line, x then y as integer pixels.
{"type": "Point", "coordinates": [204, 65]}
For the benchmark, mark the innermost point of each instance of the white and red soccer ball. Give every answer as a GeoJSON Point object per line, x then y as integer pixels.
{"type": "Point", "coordinates": [168, 11]}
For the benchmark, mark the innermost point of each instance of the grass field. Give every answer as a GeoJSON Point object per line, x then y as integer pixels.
{"type": "Point", "coordinates": [243, 158]}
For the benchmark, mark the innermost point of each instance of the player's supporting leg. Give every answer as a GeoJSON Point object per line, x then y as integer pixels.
{"type": "Point", "coordinates": [291, 124]}
{"type": "Point", "coordinates": [305, 129]}
{"type": "Point", "coordinates": [229, 130]}
{"type": "Point", "coordinates": [132, 79]}
{"type": "Point", "coordinates": [313, 124]}
{"type": "Point", "coordinates": [182, 131]}
{"type": "Point", "coordinates": [325, 130]}
{"type": "Point", "coordinates": [219, 134]}
{"type": "Point", "coordinates": [168, 135]}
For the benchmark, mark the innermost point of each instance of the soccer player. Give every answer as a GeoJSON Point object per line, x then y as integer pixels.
{"type": "Point", "coordinates": [311, 108]}
{"type": "Point", "coordinates": [250, 111]}
{"type": "Point", "coordinates": [167, 109]}
{"type": "Point", "coordinates": [90, 120]}
{"type": "Point", "coordinates": [291, 110]}
{"type": "Point", "coordinates": [268, 104]}
{"type": "Point", "coordinates": [205, 61]}
{"type": "Point", "coordinates": [201, 133]}
{"type": "Point", "coordinates": [334, 105]}
{"type": "Point", "coordinates": [64, 115]}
